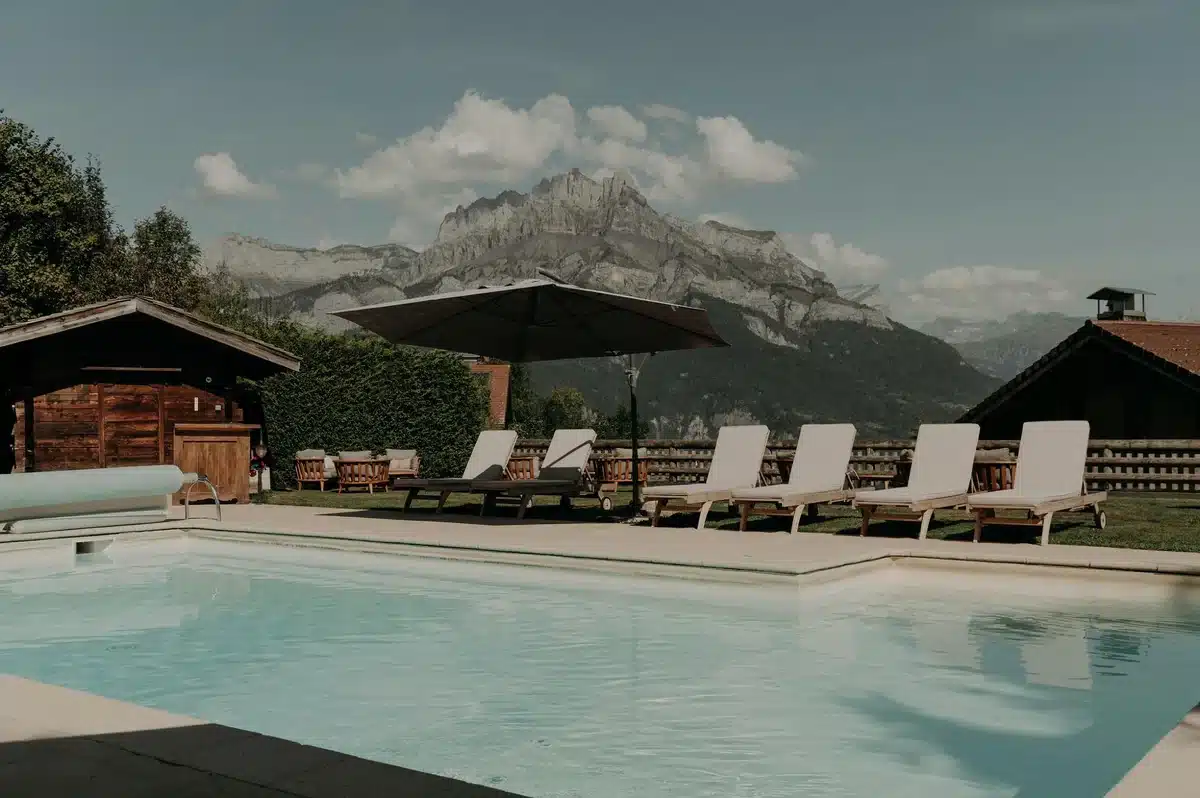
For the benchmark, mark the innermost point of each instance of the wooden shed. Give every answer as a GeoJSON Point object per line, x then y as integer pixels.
{"type": "Point", "coordinates": [105, 384]}
{"type": "Point", "coordinates": [1129, 379]}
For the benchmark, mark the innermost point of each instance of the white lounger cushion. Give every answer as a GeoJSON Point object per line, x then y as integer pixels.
{"type": "Point", "coordinates": [736, 463]}
{"type": "Point", "coordinates": [1050, 465]}
{"type": "Point", "coordinates": [568, 454]}
{"type": "Point", "coordinates": [900, 496]}
{"type": "Point", "coordinates": [691, 493]}
{"type": "Point", "coordinates": [489, 459]}
{"type": "Point", "coordinates": [822, 456]}
{"type": "Point", "coordinates": [566, 458]}
{"type": "Point", "coordinates": [1010, 497]}
{"type": "Point", "coordinates": [944, 459]}
{"type": "Point", "coordinates": [942, 464]}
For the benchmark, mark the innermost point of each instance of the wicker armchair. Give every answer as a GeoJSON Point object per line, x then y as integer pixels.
{"type": "Point", "coordinates": [312, 465]}
{"type": "Point", "coordinates": [368, 473]}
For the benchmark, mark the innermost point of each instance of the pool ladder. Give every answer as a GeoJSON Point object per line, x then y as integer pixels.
{"type": "Point", "coordinates": [192, 480]}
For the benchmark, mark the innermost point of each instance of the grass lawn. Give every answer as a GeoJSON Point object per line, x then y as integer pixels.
{"type": "Point", "coordinates": [1166, 523]}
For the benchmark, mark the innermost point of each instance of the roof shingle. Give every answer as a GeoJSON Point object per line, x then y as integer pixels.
{"type": "Point", "coordinates": [1177, 343]}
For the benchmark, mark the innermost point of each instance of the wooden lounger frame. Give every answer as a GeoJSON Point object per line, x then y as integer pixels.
{"type": "Point", "coordinates": [680, 507]}
{"type": "Point", "coordinates": [428, 488]}
{"type": "Point", "coordinates": [1043, 514]}
{"type": "Point", "coordinates": [565, 490]}
{"type": "Point", "coordinates": [807, 504]}
{"type": "Point", "coordinates": [921, 511]}
{"type": "Point", "coordinates": [442, 488]}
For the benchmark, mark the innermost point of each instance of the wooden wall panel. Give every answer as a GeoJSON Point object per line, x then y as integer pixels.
{"type": "Point", "coordinates": [138, 422]}
{"type": "Point", "coordinates": [129, 414]}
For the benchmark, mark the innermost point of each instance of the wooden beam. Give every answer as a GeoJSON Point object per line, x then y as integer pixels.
{"type": "Point", "coordinates": [102, 443]}
{"type": "Point", "coordinates": [160, 391]}
{"type": "Point", "coordinates": [30, 457]}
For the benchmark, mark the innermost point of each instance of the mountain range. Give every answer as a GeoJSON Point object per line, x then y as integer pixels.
{"type": "Point", "coordinates": [1006, 347]}
{"type": "Point", "coordinates": [801, 351]}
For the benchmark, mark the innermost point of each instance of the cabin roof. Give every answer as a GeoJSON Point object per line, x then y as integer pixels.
{"type": "Point", "coordinates": [1109, 292]}
{"type": "Point", "coordinates": [1172, 348]}
{"type": "Point", "coordinates": [132, 340]}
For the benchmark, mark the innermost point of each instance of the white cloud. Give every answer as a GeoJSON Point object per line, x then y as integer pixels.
{"type": "Point", "coordinates": [220, 176]}
{"type": "Point", "coordinates": [615, 121]}
{"type": "Point", "coordinates": [365, 139]}
{"type": "Point", "coordinates": [485, 145]}
{"type": "Point", "coordinates": [481, 141]}
{"type": "Point", "coordinates": [979, 292]}
{"type": "Point", "coordinates": [668, 177]}
{"type": "Point", "coordinates": [420, 215]}
{"type": "Point", "coordinates": [666, 112]}
{"type": "Point", "coordinates": [845, 263]}
{"type": "Point", "coordinates": [735, 153]}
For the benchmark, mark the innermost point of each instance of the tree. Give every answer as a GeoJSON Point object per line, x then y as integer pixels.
{"type": "Point", "coordinates": [161, 261]}
{"type": "Point", "coordinates": [565, 408]}
{"type": "Point", "coordinates": [59, 244]}
{"type": "Point", "coordinates": [56, 228]}
{"type": "Point", "coordinates": [617, 426]}
{"type": "Point", "coordinates": [525, 409]}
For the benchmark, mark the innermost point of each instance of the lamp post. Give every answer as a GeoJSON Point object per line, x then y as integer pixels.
{"type": "Point", "coordinates": [260, 452]}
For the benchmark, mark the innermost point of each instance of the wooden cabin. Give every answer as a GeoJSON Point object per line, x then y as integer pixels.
{"type": "Point", "coordinates": [106, 384]}
{"type": "Point", "coordinates": [1129, 378]}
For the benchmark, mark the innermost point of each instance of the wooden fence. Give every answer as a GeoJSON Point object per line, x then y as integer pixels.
{"type": "Point", "coordinates": [1115, 465]}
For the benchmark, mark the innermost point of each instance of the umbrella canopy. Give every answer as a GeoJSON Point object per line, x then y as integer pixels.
{"type": "Point", "coordinates": [538, 320]}
{"type": "Point", "coordinates": [543, 320]}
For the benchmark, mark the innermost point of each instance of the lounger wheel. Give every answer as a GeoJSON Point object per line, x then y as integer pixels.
{"type": "Point", "coordinates": [1101, 519]}
{"type": "Point", "coordinates": [606, 503]}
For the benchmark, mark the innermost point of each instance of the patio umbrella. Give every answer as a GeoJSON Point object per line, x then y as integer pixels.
{"type": "Point", "coordinates": [543, 319]}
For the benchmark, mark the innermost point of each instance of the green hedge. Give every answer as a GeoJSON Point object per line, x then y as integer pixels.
{"type": "Point", "coordinates": [363, 393]}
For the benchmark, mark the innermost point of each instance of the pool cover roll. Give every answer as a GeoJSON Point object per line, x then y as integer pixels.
{"type": "Point", "coordinates": [49, 494]}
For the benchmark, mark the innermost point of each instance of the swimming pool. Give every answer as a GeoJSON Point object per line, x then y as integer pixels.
{"type": "Point", "coordinates": [554, 683]}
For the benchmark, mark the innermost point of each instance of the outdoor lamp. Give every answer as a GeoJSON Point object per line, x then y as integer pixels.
{"type": "Point", "coordinates": [260, 451]}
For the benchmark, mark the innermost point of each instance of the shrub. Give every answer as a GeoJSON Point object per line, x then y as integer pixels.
{"type": "Point", "coordinates": [364, 393]}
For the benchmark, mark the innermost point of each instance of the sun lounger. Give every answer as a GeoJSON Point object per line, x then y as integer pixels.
{"type": "Point", "coordinates": [488, 460]}
{"type": "Point", "coordinates": [939, 479]}
{"type": "Point", "coordinates": [1049, 479]}
{"type": "Point", "coordinates": [736, 463]}
{"type": "Point", "coordinates": [562, 472]}
{"type": "Point", "coordinates": [818, 476]}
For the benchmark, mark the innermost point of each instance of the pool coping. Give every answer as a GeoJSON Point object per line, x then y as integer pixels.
{"type": "Point", "coordinates": [58, 741]}
{"type": "Point", "coordinates": [1065, 558]}
{"type": "Point", "coordinates": [1171, 763]}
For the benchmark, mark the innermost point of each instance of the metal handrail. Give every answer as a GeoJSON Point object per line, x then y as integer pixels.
{"type": "Point", "coordinates": [199, 479]}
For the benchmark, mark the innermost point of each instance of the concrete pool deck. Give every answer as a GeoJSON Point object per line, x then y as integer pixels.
{"type": "Point", "coordinates": [724, 555]}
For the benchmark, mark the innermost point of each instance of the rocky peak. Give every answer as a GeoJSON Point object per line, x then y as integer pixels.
{"type": "Point", "coordinates": [759, 245]}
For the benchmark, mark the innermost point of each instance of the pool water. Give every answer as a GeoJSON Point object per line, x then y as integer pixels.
{"type": "Point", "coordinates": [553, 683]}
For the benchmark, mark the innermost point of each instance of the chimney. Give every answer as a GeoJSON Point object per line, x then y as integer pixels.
{"type": "Point", "coordinates": [1120, 304]}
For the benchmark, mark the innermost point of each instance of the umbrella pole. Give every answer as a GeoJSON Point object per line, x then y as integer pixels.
{"type": "Point", "coordinates": [631, 373]}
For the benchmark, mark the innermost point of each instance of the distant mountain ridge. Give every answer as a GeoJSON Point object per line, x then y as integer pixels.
{"type": "Point", "coordinates": [1004, 348]}
{"type": "Point", "coordinates": [802, 350]}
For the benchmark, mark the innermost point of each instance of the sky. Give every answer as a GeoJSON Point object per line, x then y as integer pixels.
{"type": "Point", "coordinates": [973, 157]}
